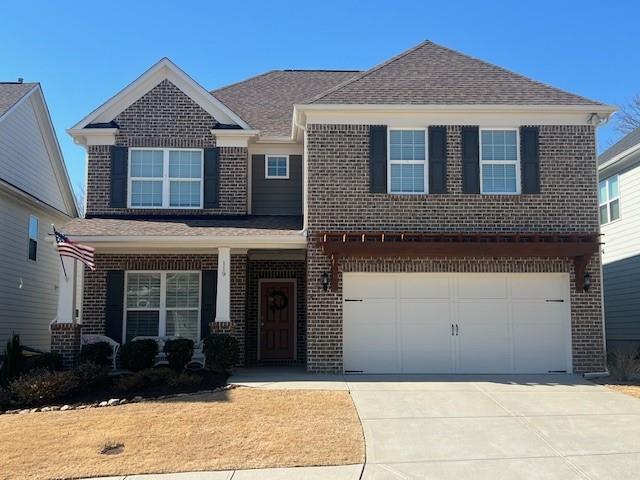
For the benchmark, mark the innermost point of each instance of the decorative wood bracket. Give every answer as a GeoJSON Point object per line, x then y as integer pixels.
{"type": "Point", "coordinates": [579, 267]}
{"type": "Point", "coordinates": [334, 273]}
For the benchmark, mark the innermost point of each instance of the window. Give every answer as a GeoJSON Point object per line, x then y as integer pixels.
{"type": "Point", "coordinates": [407, 161]}
{"type": "Point", "coordinates": [33, 237]}
{"type": "Point", "coordinates": [162, 304]}
{"type": "Point", "coordinates": [499, 161]}
{"type": "Point", "coordinates": [165, 178]}
{"type": "Point", "coordinates": [609, 200]}
{"type": "Point", "coordinates": [276, 166]}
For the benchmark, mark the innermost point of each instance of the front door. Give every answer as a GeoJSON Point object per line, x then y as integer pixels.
{"type": "Point", "coordinates": [276, 320]}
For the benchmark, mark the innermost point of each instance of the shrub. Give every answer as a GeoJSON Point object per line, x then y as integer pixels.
{"type": "Point", "coordinates": [43, 386]}
{"type": "Point", "coordinates": [89, 374]}
{"type": "Point", "coordinates": [179, 352]}
{"type": "Point", "coordinates": [222, 351]}
{"type": "Point", "coordinates": [97, 353]}
{"type": "Point", "coordinates": [5, 399]}
{"type": "Point", "coordinates": [623, 365]}
{"type": "Point", "coordinates": [145, 378]}
{"type": "Point", "coordinates": [13, 364]}
{"type": "Point", "coordinates": [139, 355]}
{"type": "Point", "coordinates": [44, 361]}
{"type": "Point", "coordinates": [185, 380]}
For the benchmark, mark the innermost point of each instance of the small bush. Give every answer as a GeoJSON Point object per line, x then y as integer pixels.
{"type": "Point", "coordinates": [145, 378]}
{"type": "Point", "coordinates": [179, 352]}
{"type": "Point", "coordinates": [139, 355]}
{"type": "Point", "coordinates": [185, 380]}
{"type": "Point", "coordinates": [43, 386]}
{"type": "Point", "coordinates": [89, 374]}
{"type": "Point", "coordinates": [5, 399]}
{"type": "Point", "coordinates": [97, 353]}
{"type": "Point", "coordinates": [44, 361]}
{"type": "Point", "coordinates": [222, 352]}
{"type": "Point", "coordinates": [623, 365]}
{"type": "Point", "coordinates": [13, 364]}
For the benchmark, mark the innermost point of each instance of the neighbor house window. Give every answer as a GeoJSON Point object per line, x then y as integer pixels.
{"type": "Point", "coordinates": [162, 304]}
{"type": "Point", "coordinates": [407, 161]}
{"type": "Point", "coordinates": [499, 161]}
{"type": "Point", "coordinates": [276, 166]}
{"type": "Point", "coordinates": [609, 200]}
{"type": "Point", "coordinates": [33, 237]}
{"type": "Point", "coordinates": [165, 178]}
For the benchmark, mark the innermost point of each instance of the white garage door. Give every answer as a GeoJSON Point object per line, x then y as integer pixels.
{"type": "Point", "coordinates": [456, 323]}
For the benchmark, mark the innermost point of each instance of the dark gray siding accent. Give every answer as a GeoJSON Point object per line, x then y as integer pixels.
{"type": "Point", "coordinates": [622, 299]}
{"type": "Point", "coordinates": [276, 196]}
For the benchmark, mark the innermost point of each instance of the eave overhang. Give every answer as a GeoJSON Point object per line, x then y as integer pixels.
{"type": "Point", "coordinates": [577, 246]}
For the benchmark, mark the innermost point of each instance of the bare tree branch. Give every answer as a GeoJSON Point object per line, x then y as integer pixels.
{"type": "Point", "coordinates": [628, 118]}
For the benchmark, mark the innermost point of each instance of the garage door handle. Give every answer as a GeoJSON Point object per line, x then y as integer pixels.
{"type": "Point", "coordinates": [456, 329]}
{"type": "Point", "coordinates": [352, 299]}
{"type": "Point", "coordinates": [554, 300]}
{"type": "Point", "coordinates": [452, 334]}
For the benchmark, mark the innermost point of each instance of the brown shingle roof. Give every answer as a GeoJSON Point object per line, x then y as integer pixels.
{"type": "Point", "coordinates": [266, 102]}
{"type": "Point", "coordinates": [430, 74]}
{"type": "Point", "coordinates": [215, 227]}
{"type": "Point", "coordinates": [11, 92]}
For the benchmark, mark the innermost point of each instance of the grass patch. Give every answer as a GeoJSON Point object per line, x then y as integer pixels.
{"type": "Point", "coordinates": [233, 429]}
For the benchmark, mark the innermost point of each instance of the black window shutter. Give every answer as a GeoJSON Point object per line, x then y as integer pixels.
{"type": "Point", "coordinates": [378, 159]}
{"type": "Point", "coordinates": [119, 168]}
{"type": "Point", "coordinates": [114, 312]}
{"type": "Point", "coordinates": [208, 301]}
{"type": "Point", "coordinates": [437, 160]}
{"type": "Point", "coordinates": [470, 160]}
{"type": "Point", "coordinates": [211, 178]}
{"type": "Point", "coordinates": [530, 158]}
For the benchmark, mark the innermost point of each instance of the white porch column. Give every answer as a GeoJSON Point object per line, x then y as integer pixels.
{"type": "Point", "coordinates": [223, 297]}
{"type": "Point", "coordinates": [66, 291]}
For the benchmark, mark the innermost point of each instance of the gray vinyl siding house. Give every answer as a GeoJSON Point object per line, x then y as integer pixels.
{"type": "Point", "coordinates": [619, 169]}
{"type": "Point", "coordinates": [34, 193]}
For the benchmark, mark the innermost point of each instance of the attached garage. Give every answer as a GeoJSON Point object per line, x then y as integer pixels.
{"type": "Point", "coordinates": [456, 323]}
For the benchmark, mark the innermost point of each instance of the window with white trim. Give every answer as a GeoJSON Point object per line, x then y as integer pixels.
{"type": "Point", "coordinates": [165, 178]}
{"type": "Point", "coordinates": [276, 166]}
{"type": "Point", "coordinates": [33, 237]}
{"type": "Point", "coordinates": [499, 161]}
{"type": "Point", "coordinates": [407, 162]}
{"type": "Point", "coordinates": [162, 304]}
{"type": "Point", "coordinates": [609, 200]}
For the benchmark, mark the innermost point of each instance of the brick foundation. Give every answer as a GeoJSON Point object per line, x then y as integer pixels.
{"type": "Point", "coordinates": [65, 341]}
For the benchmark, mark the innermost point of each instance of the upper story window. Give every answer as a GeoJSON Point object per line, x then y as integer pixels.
{"type": "Point", "coordinates": [165, 178]}
{"type": "Point", "coordinates": [276, 166]}
{"type": "Point", "coordinates": [499, 161]}
{"type": "Point", "coordinates": [407, 161]}
{"type": "Point", "coordinates": [33, 237]}
{"type": "Point", "coordinates": [609, 200]}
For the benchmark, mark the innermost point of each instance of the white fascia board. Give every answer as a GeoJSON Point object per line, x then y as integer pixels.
{"type": "Point", "coordinates": [233, 138]}
{"type": "Point", "coordinates": [412, 115]}
{"type": "Point", "coordinates": [93, 136]}
{"type": "Point", "coordinates": [620, 156]}
{"type": "Point", "coordinates": [164, 69]}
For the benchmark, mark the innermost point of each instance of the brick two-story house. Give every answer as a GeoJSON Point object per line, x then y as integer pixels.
{"type": "Point", "coordinates": [435, 213]}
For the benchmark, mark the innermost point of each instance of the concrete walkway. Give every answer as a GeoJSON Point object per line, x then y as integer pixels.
{"type": "Point", "coordinates": [484, 427]}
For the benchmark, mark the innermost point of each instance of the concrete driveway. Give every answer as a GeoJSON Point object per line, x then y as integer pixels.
{"type": "Point", "coordinates": [487, 427]}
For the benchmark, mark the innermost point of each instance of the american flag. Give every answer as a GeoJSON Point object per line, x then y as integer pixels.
{"type": "Point", "coordinates": [82, 253]}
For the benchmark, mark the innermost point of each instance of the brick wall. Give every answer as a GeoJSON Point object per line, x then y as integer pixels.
{"type": "Point", "coordinates": [276, 269]}
{"type": "Point", "coordinates": [65, 340]}
{"type": "Point", "coordinates": [339, 199]}
{"type": "Point", "coordinates": [165, 117]}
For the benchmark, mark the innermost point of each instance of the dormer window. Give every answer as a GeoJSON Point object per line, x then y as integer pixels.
{"type": "Point", "coordinates": [165, 178]}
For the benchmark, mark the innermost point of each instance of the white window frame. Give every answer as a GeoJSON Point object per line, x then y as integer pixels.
{"type": "Point", "coordinates": [609, 200]}
{"type": "Point", "coordinates": [166, 179]}
{"type": "Point", "coordinates": [424, 162]}
{"type": "Point", "coordinates": [516, 162]}
{"type": "Point", "coordinates": [162, 309]}
{"type": "Point", "coordinates": [266, 167]}
{"type": "Point", "coordinates": [35, 239]}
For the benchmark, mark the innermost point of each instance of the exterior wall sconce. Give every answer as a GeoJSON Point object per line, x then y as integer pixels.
{"type": "Point", "coordinates": [325, 281]}
{"type": "Point", "coordinates": [587, 281]}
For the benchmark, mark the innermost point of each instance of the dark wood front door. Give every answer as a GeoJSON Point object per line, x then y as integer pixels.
{"type": "Point", "coordinates": [276, 320]}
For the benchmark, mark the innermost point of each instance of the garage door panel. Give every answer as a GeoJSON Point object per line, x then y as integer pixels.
{"type": "Point", "coordinates": [425, 336]}
{"type": "Point", "coordinates": [483, 337]}
{"type": "Point", "coordinates": [538, 287]}
{"type": "Point", "coordinates": [369, 286]}
{"type": "Point", "coordinates": [428, 287]}
{"type": "Point", "coordinates": [371, 329]}
{"type": "Point", "coordinates": [479, 286]}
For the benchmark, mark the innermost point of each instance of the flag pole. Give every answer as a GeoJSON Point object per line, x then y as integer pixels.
{"type": "Point", "coordinates": [55, 235]}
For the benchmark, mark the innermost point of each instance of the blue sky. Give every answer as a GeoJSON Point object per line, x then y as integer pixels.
{"type": "Point", "coordinates": [85, 52]}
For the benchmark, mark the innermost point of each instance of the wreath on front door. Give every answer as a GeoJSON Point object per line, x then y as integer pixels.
{"type": "Point", "coordinates": [278, 300]}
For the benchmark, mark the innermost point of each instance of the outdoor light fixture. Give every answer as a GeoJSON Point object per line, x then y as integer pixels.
{"type": "Point", "coordinates": [325, 281]}
{"type": "Point", "coordinates": [587, 282]}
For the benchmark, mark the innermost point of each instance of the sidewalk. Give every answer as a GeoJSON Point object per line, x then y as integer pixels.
{"type": "Point", "coordinates": [342, 472]}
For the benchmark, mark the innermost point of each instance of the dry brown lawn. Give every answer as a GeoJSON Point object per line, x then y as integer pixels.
{"type": "Point", "coordinates": [630, 388]}
{"type": "Point", "coordinates": [235, 429]}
